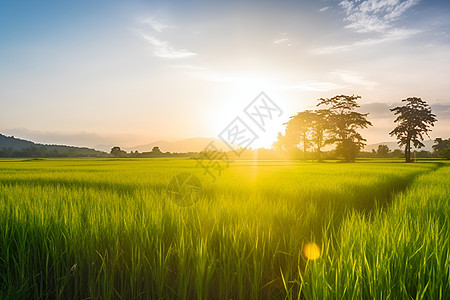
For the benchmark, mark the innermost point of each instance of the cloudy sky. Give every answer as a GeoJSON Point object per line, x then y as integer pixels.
{"type": "Point", "coordinates": [129, 72]}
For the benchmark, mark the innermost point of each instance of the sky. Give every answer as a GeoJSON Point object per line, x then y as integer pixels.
{"type": "Point", "coordinates": [91, 73]}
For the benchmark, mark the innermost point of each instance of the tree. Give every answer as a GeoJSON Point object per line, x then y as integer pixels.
{"type": "Point", "coordinates": [307, 129]}
{"type": "Point", "coordinates": [117, 152]}
{"type": "Point", "coordinates": [423, 154]}
{"type": "Point", "coordinates": [441, 146]}
{"type": "Point", "coordinates": [156, 150]}
{"type": "Point", "coordinates": [383, 151]}
{"type": "Point", "coordinates": [279, 144]}
{"type": "Point", "coordinates": [414, 119]}
{"type": "Point", "coordinates": [397, 153]}
{"type": "Point", "coordinates": [298, 130]}
{"type": "Point", "coordinates": [374, 153]}
{"type": "Point", "coordinates": [318, 129]}
{"type": "Point", "coordinates": [343, 122]}
{"type": "Point", "coordinates": [446, 153]}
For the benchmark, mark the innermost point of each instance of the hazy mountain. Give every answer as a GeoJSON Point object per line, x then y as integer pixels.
{"type": "Point", "coordinates": [186, 145]}
{"type": "Point", "coordinates": [14, 143]}
{"type": "Point", "coordinates": [103, 142]}
{"type": "Point", "coordinates": [15, 147]}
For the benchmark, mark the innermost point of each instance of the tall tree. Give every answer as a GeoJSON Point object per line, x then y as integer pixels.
{"type": "Point", "coordinates": [383, 150]}
{"type": "Point", "coordinates": [414, 119]}
{"type": "Point", "coordinates": [280, 143]}
{"type": "Point", "coordinates": [298, 130]}
{"type": "Point", "coordinates": [343, 122]}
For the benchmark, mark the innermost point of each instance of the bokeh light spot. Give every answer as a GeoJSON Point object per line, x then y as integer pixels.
{"type": "Point", "coordinates": [311, 251]}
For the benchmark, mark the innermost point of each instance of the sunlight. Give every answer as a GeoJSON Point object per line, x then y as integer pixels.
{"type": "Point", "coordinates": [243, 88]}
{"type": "Point", "coordinates": [211, 149]}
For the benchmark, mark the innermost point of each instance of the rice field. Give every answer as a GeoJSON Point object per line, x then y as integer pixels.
{"type": "Point", "coordinates": [107, 229]}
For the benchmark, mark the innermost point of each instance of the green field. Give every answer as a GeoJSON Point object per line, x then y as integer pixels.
{"type": "Point", "coordinates": [105, 229]}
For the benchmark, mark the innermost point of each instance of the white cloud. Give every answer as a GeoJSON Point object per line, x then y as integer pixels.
{"type": "Point", "coordinates": [400, 9]}
{"type": "Point", "coordinates": [324, 8]}
{"type": "Point", "coordinates": [210, 75]}
{"type": "Point", "coordinates": [155, 25]}
{"type": "Point", "coordinates": [312, 86]}
{"type": "Point", "coordinates": [393, 35]}
{"type": "Point", "coordinates": [338, 79]}
{"type": "Point", "coordinates": [335, 80]}
{"type": "Point", "coordinates": [280, 40]}
{"type": "Point", "coordinates": [163, 49]}
{"type": "Point", "coordinates": [353, 78]}
{"type": "Point", "coordinates": [374, 15]}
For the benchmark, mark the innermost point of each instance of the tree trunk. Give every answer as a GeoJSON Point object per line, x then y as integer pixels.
{"type": "Point", "coordinates": [304, 148]}
{"type": "Point", "coordinates": [318, 148]}
{"type": "Point", "coordinates": [408, 151]}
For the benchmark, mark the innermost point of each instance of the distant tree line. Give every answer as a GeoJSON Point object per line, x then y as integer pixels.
{"type": "Point", "coordinates": [338, 123]}
{"type": "Point", "coordinates": [442, 148]}
{"type": "Point", "coordinates": [46, 152]}
{"type": "Point", "coordinates": [383, 151]}
{"type": "Point", "coordinates": [11, 146]}
{"type": "Point", "coordinates": [117, 152]}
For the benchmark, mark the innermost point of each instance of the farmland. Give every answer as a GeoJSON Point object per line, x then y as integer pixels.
{"type": "Point", "coordinates": [104, 228]}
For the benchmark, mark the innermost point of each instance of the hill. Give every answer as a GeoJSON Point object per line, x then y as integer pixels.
{"type": "Point", "coordinates": [15, 147]}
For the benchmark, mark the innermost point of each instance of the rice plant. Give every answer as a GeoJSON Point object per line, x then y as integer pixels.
{"type": "Point", "coordinates": [73, 229]}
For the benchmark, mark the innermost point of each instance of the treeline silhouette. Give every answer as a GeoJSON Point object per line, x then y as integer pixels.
{"type": "Point", "coordinates": [385, 152]}
{"type": "Point", "coordinates": [43, 152]}
{"type": "Point", "coordinates": [337, 124]}
{"type": "Point", "coordinates": [11, 147]}
{"type": "Point", "coordinates": [117, 152]}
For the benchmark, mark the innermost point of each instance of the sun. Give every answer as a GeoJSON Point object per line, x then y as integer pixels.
{"type": "Point", "coordinates": [241, 90]}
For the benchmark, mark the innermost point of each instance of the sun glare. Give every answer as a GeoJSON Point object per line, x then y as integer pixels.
{"type": "Point", "coordinates": [243, 89]}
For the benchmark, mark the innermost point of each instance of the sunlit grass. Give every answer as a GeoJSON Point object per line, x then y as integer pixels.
{"type": "Point", "coordinates": [400, 253]}
{"type": "Point", "coordinates": [267, 229]}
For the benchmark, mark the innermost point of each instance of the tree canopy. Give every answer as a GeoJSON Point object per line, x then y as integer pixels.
{"type": "Point", "coordinates": [414, 120]}
{"type": "Point", "coordinates": [342, 124]}
{"type": "Point", "coordinates": [383, 151]}
{"type": "Point", "coordinates": [442, 147]}
{"type": "Point", "coordinates": [337, 124]}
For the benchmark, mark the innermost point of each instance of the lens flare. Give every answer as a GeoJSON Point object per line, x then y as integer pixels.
{"type": "Point", "coordinates": [311, 251]}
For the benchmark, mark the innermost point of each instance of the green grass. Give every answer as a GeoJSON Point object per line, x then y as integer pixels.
{"type": "Point", "coordinates": [402, 253]}
{"type": "Point", "coordinates": [105, 229]}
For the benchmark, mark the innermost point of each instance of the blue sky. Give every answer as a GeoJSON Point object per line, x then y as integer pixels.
{"type": "Point", "coordinates": [129, 72]}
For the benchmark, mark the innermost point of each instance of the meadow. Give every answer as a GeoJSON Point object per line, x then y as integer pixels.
{"type": "Point", "coordinates": [106, 229]}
